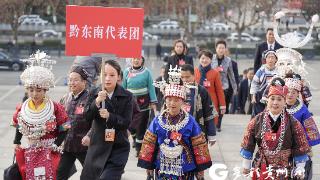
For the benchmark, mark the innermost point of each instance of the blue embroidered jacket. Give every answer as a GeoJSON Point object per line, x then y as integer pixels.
{"type": "Point", "coordinates": [195, 154]}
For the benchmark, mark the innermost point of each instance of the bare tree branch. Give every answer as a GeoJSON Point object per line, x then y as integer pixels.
{"type": "Point", "coordinates": [244, 13]}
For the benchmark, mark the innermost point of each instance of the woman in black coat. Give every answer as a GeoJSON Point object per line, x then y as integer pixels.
{"type": "Point", "coordinates": [106, 159]}
{"type": "Point", "coordinates": [179, 57]}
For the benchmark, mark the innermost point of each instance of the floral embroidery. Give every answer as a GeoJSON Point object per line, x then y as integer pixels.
{"type": "Point", "coordinates": [311, 129]}
{"type": "Point", "coordinates": [248, 133]}
{"type": "Point", "coordinates": [200, 149]}
{"type": "Point", "coordinates": [300, 139]}
{"type": "Point", "coordinates": [148, 146]}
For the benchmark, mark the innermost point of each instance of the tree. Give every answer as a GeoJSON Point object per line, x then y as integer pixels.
{"type": "Point", "coordinates": [244, 13]}
{"type": "Point", "coordinates": [309, 8]}
{"type": "Point", "coordinates": [54, 6]}
{"type": "Point", "coordinates": [11, 10]}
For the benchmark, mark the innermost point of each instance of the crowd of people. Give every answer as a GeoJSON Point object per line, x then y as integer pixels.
{"type": "Point", "coordinates": [171, 119]}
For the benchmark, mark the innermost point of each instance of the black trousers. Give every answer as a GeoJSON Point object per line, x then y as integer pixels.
{"type": "Point", "coordinates": [143, 123]}
{"type": "Point", "coordinates": [67, 162]}
{"type": "Point", "coordinates": [227, 95]}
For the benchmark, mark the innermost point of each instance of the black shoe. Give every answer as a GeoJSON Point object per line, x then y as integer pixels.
{"type": "Point", "coordinates": [219, 129]}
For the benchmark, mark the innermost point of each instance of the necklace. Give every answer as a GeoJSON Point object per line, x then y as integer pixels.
{"type": "Point", "coordinates": [36, 124]}
{"type": "Point", "coordinates": [296, 107]}
{"type": "Point", "coordinates": [267, 129]}
{"type": "Point", "coordinates": [171, 156]}
{"type": "Point", "coordinates": [139, 70]}
{"type": "Point", "coordinates": [173, 127]}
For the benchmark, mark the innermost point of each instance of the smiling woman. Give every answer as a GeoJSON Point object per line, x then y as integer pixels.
{"type": "Point", "coordinates": [279, 136]}
{"type": "Point", "coordinates": [40, 120]}
{"type": "Point", "coordinates": [138, 80]}
{"type": "Point", "coordinates": [174, 146]}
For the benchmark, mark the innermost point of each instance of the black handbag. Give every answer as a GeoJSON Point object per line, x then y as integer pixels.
{"type": "Point", "coordinates": [12, 172]}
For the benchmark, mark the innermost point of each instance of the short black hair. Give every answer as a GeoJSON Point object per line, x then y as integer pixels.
{"type": "Point", "coordinates": [143, 60]}
{"type": "Point", "coordinates": [81, 71]}
{"type": "Point", "coordinates": [274, 81]}
{"type": "Point", "coordinates": [221, 42]}
{"type": "Point", "coordinates": [269, 29]}
{"type": "Point", "coordinates": [187, 67]}
{"type": "Point", "coordinates": [205, 52]}
{"type": "Point", "coordinates": [293, 75]}
{"type": "Point", "coordinates": [250, 69]}
{"type": "Point", "coordinates": [180, 41]}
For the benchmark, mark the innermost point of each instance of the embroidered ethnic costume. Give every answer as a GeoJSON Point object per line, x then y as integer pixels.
{"type": "Point", "coordinates": [174, 145]}
{"type": "Point", "coordinates": [42, 127]}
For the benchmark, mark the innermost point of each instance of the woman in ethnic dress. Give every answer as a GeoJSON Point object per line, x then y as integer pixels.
{"type": "Point", "coordinates": [174, 146]}
{"type": "Point", "coordinates": [137, 79]}
{"type": "Point", "coordinates": [40, 120]}
{"type": "Point", "coordinates": [297, 108]}
{"type": "Point", "coordinates": [280, 139]}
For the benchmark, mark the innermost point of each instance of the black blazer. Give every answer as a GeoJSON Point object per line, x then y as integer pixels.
{"type": "Point", "coordinates": [174, 61]}
{"type": "Point", "coordinates": [261, 48]}
{"type": "Point", "coordinates": [235, 72]}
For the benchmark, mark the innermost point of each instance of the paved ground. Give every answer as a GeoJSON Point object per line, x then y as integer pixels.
{"type": "Point", "coordinates": [226, 151]}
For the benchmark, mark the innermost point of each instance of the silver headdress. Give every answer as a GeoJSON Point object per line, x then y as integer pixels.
{"type": "Point", "coordinates": [173, 88]}
{"type": "Point", "coordinates": [292, 40]}
{"type": "Point", "coordinates": [290, 60]}
{"type": "Point", "coordinates": [38, 72]}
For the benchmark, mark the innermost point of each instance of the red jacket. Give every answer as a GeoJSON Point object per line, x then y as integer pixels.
{"type": "Point", "coordinates": [215, 89]}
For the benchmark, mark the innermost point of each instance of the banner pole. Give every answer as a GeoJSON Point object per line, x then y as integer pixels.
{"type": "Point", "coordinates": [103, 77]}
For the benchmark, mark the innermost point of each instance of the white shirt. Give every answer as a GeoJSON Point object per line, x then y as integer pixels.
{"type": "Point", "coordinates": [110, 94]}
{"type": "Point", "coordinates": [274, 117]}
{"type": "Point", "coordinates": [272, 46]}
{"type": "Point", "coordinates": [75, 96]}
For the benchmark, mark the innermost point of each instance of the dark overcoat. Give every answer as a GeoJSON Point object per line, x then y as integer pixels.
{"type": "Point", "coordinates": [102, 154]}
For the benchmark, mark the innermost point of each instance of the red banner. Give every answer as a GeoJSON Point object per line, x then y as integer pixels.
{"type": "Point", "coordinates": [117, 31]}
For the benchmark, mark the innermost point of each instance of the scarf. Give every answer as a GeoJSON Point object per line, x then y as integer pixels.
{"type": "Point", "coordinates": [203, 71]}
{"type": "Point", "coordinates": [220, 60]}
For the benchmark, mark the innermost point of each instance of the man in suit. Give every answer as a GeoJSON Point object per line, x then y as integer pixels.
{"type": "Point", "coordinates": [244, 94]}
{"type": "Point", "coordinates": [270, 44]}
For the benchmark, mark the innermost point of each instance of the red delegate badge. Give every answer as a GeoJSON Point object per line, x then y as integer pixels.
{"type": "Point", "coordinates": [181, 62]}
{"type": "Point", "coordinates": [130, 75]}
{"type": "Point", "coordinates": [206, 83]}
{"type": "Point", "coordinates": [175, 136]}
{"type": "Point", "coordinates": [220, 68]}
{"type": "Point", "coordinates": [270, 136]}
{"type": "Point", "coordinates": [79, 110]}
